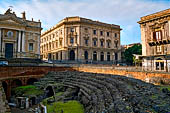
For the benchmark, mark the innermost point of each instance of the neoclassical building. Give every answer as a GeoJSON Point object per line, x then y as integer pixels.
{"type": "Point", "coordinates": [155, 36]}
{"type": "Point", "coordinates": [81, 39]}
{"type": "Point", "coordinates": [19, 38]}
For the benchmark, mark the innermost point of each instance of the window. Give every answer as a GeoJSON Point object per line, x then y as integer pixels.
{"type": "Point", "coordinates": [108, 44]}
{"type": "Point", "coordinates": [108, 34]}
{"type": "Point", "coordinates": [86, 30]}
{"type": "Point", "coordinates": [71, 29]}
{"type": "Point", "coordinates": [71, 40]}
{"type": "Point", "coordinates": [116, 43]}
{"type": "Point", "coordinates": [30, 46]}
{"type": "Point", "coordinates": [95, 56]}
{"type": "Point", "coordinates": [94, 32]}
{"type": "Point", "coordinates": [158, 49]}
{"type": "Point", "coordinates": [60, 42]}
{"type": "Point", "coordinates": [101, 56]}
{"type": "Point", "coordinates": [108, 56]}
{"type": "Point", "coordinates": [86, 41]}
{"type": "Point", "coordinates": [56, 44]}
{"type": "Point", "coordinates": [9, 33]}
{"type": "Point", "coordinates": [157, 35]}
{"type": "Point", "coordinates": [115, 34]}
{"type": "Point", "coordinates": [102, 43]}
{"type": "Point", "coordinates": [95, 42]}
{"type": "Point", "coordinates": [86, 55]}
{"type": "Point", "coordinates": [101, 33]}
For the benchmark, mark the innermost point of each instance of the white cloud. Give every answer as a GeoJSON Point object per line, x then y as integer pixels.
{"type": "Point", "coordinates": [122, 12]}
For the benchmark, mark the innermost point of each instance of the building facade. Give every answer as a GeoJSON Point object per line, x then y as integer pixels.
{"type": "Point", "coordinates": [19, 38]}
{"type": "Point", "coordinates": [81, 39]}
{"type": "Point", "coordinates": [155, 36]}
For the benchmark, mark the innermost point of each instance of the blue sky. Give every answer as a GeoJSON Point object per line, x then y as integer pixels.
{"type": "Point", "coordinates": [125, 13]}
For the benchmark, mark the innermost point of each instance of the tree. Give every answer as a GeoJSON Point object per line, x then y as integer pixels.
{"type": "Point", "coordinates": [128, 54]}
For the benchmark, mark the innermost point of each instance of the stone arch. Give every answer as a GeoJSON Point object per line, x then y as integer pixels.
{"type": "Point", "coordinates": [16, 83]}
{"type": "Point", "coordinates": [32, 100]}
{"type": "Point", "coordinates": [5, 86]}
{"type": "Point", "coordinates": [31, 81]}
{"type": "Point", "coordinates": [86, 55]}
{"type": "Point", "coordinates": [101, 56]}
{"type": "Point", "coordinates": [94, 56]}
{"type": "Point", "coordinates": [49, 91]}
{"type": "Point", "coordinates": [159, 64]}
{"type": "Point", "coordinates": [72, 55]}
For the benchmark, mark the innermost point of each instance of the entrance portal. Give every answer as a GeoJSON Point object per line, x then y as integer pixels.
{"type": "Point", "coordinates": [49, 91]}
{"type": "Point", "coordinates": [72, 55]}
{"type": "Point", "coordinates": [159, 64]}
{"type": "Point", "coordinates": [8, 50]}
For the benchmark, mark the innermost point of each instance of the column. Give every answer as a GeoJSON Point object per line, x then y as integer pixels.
{"type": "Point", "coordinates": [38, 44]}
{"type": "Point", "coordinates": [23, 42]}
{"type": "Point", "coordinates": [19, 41]}
{"type": "Point", "coordinates": [0, 40]}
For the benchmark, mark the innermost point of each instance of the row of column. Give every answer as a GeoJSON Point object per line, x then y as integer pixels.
{"type": "Point", "coordinates": [21, 41]}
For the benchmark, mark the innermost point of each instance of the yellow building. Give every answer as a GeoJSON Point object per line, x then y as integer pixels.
{"type": "Point", "coordinates": [81, 39]}
{"type": "Point", "coordinates": [155, 36]}
{"type": "Point", "coordinates": [19, 38]}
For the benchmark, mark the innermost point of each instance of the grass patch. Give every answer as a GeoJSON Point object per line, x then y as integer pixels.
{"type": "Point", "coordinates": [164, 86]}
{"type": "Point", "coordinates": [59, 94]}
{"type": "Point", "coordinates": [68, 107]}
{"type": "Point", "coordinates": [27, 90]}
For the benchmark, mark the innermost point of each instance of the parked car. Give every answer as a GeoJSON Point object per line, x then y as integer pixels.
{"type": "Point", "coordinates": [3, 63]}
{"type": "Point", "coordinates": [121, 64]}
{"type": "Point", "coordinates": [48, 61]}
{"type": "Point", "coordinates": [12, 104]}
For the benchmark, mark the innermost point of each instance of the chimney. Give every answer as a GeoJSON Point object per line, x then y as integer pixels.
{"type": "Point", "coordinates": [23, 15]}
{"type": "Point", "coordinates": [32, 19]}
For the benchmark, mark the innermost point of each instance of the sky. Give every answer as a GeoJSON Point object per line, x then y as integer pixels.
{"type": "Point", "coordinates": [125, 13]}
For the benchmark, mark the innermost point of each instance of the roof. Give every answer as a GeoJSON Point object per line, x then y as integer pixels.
{"type": "Point", "coordinates": [154, 16]}
{"type": "Point", "coordinates": [81, 20]}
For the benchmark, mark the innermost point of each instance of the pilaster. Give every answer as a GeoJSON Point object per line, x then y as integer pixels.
{"type": "Point", "coordinates": [23, 42]}
{"type": "Point", "coordinates": [19, 42]}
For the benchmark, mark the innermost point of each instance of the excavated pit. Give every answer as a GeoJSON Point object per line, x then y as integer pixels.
{"type": "Point", "coordinates": [104, 93]}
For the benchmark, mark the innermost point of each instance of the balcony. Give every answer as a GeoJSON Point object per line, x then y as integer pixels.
{"type": "Point", "coordinates": [159, 42]}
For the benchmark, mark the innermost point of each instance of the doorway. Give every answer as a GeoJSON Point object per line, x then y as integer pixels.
{"type": "Point", "coordinates": [8, 50]}
{"type": "Point", "coordinates": [72, 55]}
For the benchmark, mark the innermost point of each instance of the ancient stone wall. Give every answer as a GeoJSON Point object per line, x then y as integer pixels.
{"type": "Point", "coordinates": [14, 72]}
{"type": "Point", "coordinates": [4, 108]}
{"type": "Point", "coordinates": [151, 77]}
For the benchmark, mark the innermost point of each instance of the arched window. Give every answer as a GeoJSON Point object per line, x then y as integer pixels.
{"type": "Point", "coordinates": [159, 64]}
{"type": "Point", "coordinates": [72, 55]}
{"type": "Point", "coordinates": [95, 56]}
{"type": "Point", "coordinates": [102, 56]}
{"type": "Point", "coordinates": [86, 55]}
{"type": "Point", "coordinates": [108, 56]}
{"type": "Point", "coordinates": [116, 56]}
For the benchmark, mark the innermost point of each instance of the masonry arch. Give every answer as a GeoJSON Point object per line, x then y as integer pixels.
{"type": "Point", "coordinates": [86, 55]}
{"type": "Point", "coordinates": [5, 86]}
{"type": "Point", "coordinates": [31, 81]}
{"type": "Point", "coordinates": [15, 83]}
{"type": "Point", "coordinates": [102, 56]}
{"type": "Point", "coordinates": [159, 64]}
{"type": "Point", "coordinates": [72, 55]}
{"type": "Point", "coordinates": [49, 91]}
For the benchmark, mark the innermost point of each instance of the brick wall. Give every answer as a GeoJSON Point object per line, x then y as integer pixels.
{"type": "Point", "coordinates": [4, 108]}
